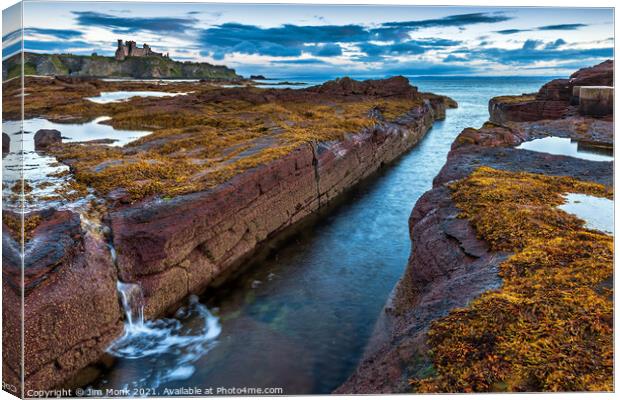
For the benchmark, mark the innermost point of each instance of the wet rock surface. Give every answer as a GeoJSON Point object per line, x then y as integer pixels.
{"type": "Point", "coordinates": [69, 286]}
{"type": "Point", "coordinates": [46, 138]}
{"type": "Point", "coordinates": [449, 266]}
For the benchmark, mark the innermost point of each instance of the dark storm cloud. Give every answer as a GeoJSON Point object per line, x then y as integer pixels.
{"type": "Point", "coordinates": [134, 24]}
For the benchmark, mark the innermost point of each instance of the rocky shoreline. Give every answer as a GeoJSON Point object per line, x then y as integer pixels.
{"type": "Point", "coordinates": [450, 265]}
{"type": "Point", "coordinates": [173, 246]}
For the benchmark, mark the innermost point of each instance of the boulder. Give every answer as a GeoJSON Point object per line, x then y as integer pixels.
{"type": "Point", "coordinates": [6, 143]}
{"type": "Point", "coordinates": [45, 138]}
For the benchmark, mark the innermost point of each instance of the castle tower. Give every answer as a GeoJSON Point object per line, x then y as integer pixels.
{"type": "Point", "coordinates": [120, 51]}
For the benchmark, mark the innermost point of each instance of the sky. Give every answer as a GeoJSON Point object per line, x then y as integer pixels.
{"type": "Point", "coordinates": [320, 40]}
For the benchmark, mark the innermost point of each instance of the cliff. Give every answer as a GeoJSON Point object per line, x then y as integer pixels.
{"type": "Point", "coordinates": [186, 205]}
{"type": "Point", "coordinates": [107, 67]}
{"type": "Point", "coordinates": [496, 285]}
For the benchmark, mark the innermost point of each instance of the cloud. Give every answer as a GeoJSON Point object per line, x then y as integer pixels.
{"type": "Point", "coordinates": [411, 47]}
{"type": "Point", "coordinates": [526, 56]}
{"type": "Point", "coordinates": [531, 44]}
{"type": "Point", "coordinates": [134, 24]}
{"type": "Point", "coordinates": [229, 34]}
{"type": "Point", "coordinates": [60, 46]}
{"type": "Point", "coordinates": [555, 45]}
{"type": "Point", "coordinates": [225, 38]}
{"type": "Point", "coordinates": [458, 20]}
{"type": "Point", "coordinates": [11, 49]}
{"type": "Point", "coordinates": [511, 31]}
{"type": "Point", "coordinates": [561, 27]}
{"type": "Point", "coordinates": [12, 36]}
{"type": "Point", "coordinates": [284, 41]}
{"type": "Point", "coordinates": [426, 68]}
{"type": "Point", "coordinates": [455, 58]}
{"type": "Point", "coordinates": [303, 61]}
{"type": "Point", "coordinates": [57, 33]}
{"type": "Point", "coordinates": [325, 50]}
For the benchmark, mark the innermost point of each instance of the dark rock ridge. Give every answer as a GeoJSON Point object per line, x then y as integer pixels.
{"type": "Point", "coordinates": [553, 100]}
{"type": "Point", "coordinates": [449, 266]}
{"type": "Point", "coordinates": [100, 66]}
{"type": "Point", "coordinates": [173, 247]}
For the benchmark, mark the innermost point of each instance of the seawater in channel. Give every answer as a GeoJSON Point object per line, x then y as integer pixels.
{"type": "Point", "coordinates": [300, 319]}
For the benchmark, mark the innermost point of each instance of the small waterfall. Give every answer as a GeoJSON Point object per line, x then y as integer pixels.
{"type": "Point", "coordinates": [133, 303]}
{"type": "Point", "coordinates": [171, 345]}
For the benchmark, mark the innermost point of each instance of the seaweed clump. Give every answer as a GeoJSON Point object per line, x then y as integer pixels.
{"type": "Point", "coordinates": [550, 326]}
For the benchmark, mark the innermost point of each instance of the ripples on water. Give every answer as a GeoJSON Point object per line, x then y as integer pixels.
{"type": "Point", "coordinates": [300, 319]}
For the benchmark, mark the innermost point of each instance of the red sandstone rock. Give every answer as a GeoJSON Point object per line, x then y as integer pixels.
{"type": "Point", "coordinates": [71, 311]}
{"type": "Point", "coordinates": [397, 86]}
{"type": "Point", "coordinates": [490, 135]}
{"type": "Point", "coordinates": [553, 99]}
{"type": "Point", "coordinates": [178, 247]}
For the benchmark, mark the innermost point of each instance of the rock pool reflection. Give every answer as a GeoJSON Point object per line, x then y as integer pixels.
{"type": "Point", "coordinates": [597, 212]}
{"type": "Point", "coordinates": [568, 147]}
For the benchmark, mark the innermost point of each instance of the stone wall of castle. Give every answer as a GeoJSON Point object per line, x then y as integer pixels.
{"type": "Point", "coordinates": [131, 49]}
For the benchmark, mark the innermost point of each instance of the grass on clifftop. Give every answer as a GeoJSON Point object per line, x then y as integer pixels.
{"type": "Point", "coordinates": [550, 326]}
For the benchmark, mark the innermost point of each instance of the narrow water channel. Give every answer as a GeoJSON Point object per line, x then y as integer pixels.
{"type": "Point", "coordinates": [300, 319]}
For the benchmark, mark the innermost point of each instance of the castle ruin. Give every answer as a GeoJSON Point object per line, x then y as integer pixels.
{"type": "Point", "coordinates": [130, 49]}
